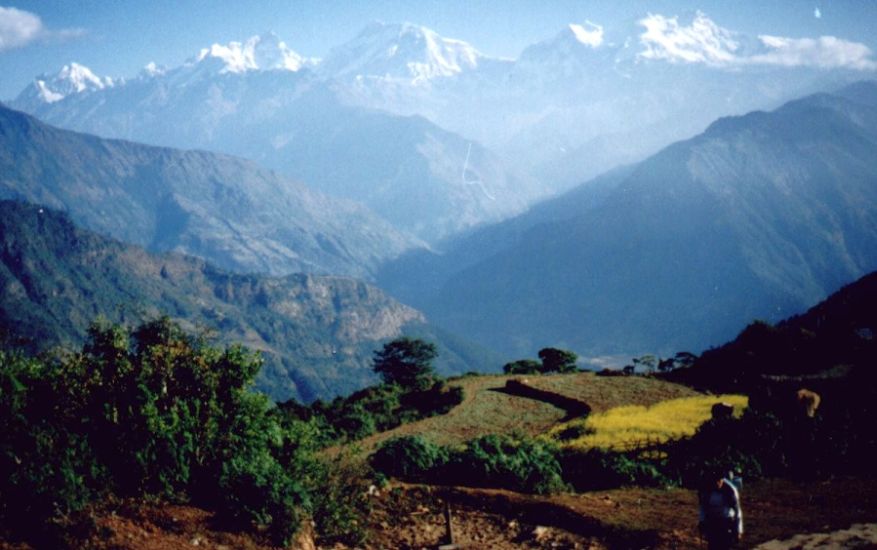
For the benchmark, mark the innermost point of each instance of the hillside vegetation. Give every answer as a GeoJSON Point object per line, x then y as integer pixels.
{"type": "Point", "coordinates": [316, 333]}
{"type": "Point", "coordinates": [156, 414]}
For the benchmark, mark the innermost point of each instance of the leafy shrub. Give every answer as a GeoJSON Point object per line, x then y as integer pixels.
{"type": "Point", "coordinates": [149, 413]}
{"type": "Point", "coordinates": [522, 366]}
{"type": "Point", "coordinates": [375, 409]}
{"type": "Point", "coordinates": [598, 469]}
{"type": "Point", "coordinates": [521, 464]}
{"type": "Point", "coordinates": [410, 457]}
{"type": "Point", "coordinates": [339, 501]}
{"type": "Point", "coordinates": [45, 470]}
{"type": "Point", "coordinates": [254, 490]}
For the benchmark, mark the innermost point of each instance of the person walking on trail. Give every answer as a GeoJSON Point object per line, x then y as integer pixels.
{"type": "Point", "coordinates": [720, 515]}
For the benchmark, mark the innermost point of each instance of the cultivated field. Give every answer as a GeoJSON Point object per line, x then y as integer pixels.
{"type": "Point", "coordinates": [488, 408]}
{"type": "Point", "coordinates": [628, 426]}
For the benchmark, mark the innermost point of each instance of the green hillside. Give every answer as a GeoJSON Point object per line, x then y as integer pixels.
{"type": "Point", "coordinates": [316, 333]}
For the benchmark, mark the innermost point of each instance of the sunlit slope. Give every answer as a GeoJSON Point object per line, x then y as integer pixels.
{"type": "Point", "coordinates": [490, 408]}
{"type": "Point", "coordinates": [631, 426]}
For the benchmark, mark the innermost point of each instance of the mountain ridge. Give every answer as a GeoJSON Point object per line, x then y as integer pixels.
{"type": "Point", "coordinates": [316, 333]}
{"type": "Point", "coordinates": [592, 99]}
{"type": "Point", "coordinates": [761, 216]}
{"type": "Point", "coordinates": [191, 201]}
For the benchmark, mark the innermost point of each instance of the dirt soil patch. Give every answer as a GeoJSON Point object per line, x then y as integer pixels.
{"type": "Point", "coordinates": [774, 511]}
{"type": "Point", "coordinates": [779, 515]}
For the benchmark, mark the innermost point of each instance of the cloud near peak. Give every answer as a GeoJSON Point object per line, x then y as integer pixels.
{"type": "Point", "coordinates": [700, 42]}
{"type": "Point", "coordinates": [703, 41]}
{"type": "Point", "coordinates": [19, 28]}
{"type": "Point", "coordinates": [826, 52]}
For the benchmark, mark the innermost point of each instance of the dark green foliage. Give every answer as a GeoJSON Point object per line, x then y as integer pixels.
{"type": "Point", "coordinates": [339, 500]}
{"type": "Point", "coordinates": [153, 413]}
{"type": "Point", "coordinates": [410, 457]}
{"type": "Point", "coordinates": [597, 469]}
{"type": "Point", "coordinates": [522, 366]}
{"type": "Point", "coordinates": [837, 332]}
{"type": "Point", "coordinates": [406, 362]}
{"type": "Point", "coordinates": [647, 364]}
{"type": "Point", "coordinates": [558, 360]}
{"type": "Point", "coordinates": [45, 471]}
{"type": "Point", "coordinates": [521, 464]}
{"type": "Point", "coordinates": [552, 360]}
{"type": "Point", "coordinates": [374, 409]}
{"type": "Point", "coordinates": [410, 392]}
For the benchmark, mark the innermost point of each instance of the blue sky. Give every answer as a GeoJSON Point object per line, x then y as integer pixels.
{"type": "Point", "coordinates": [117, 38]}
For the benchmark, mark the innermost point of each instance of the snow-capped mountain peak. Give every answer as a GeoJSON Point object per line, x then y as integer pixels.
{"type": "Point", "coordinates": [589, 34]}
{"type": "Point", "coordinates": [578, 49]}
{"type": "Point", "coordinates": [261, 52]}
{"type": "Point", "coordinates": [79, 78]}
{"type": "Point", "coordinates": [73, 78]}
{"type": "Point", "coordinates": [400, 51]}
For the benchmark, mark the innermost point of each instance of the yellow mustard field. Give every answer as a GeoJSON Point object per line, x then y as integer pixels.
{"type": "Point", "coordinates": [629, 427]}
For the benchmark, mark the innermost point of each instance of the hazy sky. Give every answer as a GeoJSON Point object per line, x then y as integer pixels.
{"type": "Point", "coordinates": [117, 38]}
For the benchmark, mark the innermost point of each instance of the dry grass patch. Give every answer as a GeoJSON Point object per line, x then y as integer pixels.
{"type": "Point", "coordinates": [484, 410]}
{"type": "Point", "coordinates": [605, 392]}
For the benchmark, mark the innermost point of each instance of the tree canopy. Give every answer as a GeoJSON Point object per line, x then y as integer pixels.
{"type": "Point", "coordinates": [406, 362]}
{"type": "Point", "coordinates": [558, 360]}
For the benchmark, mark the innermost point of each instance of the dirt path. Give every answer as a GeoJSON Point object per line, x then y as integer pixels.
{"type": "Point", "coordinates": [776, 512]}
{"type": "Point", "coordinates": [861, 535]}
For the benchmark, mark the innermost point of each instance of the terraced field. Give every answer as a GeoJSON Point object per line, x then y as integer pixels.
{"type": "Point", "coordinates": [490, 408]}
{"type": "Point", "coordinates": [602, 393]}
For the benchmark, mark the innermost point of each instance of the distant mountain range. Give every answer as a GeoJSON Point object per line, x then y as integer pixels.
{"type": "Point", "coordinates": [436, 136]}
{"type": "Point", "coordinates": [761, 216]}
{"type": "Point", "coordinates": [317, 333]}
{"type": "Point", "coordinates": [424, 180]}
{"type": "Point", "coordinates": [224, 209]}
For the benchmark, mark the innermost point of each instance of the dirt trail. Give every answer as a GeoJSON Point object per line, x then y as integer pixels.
{"type": "Point", "coordinates": [775, 510]}
{"type": "Point", "coordinates": [860, 535]}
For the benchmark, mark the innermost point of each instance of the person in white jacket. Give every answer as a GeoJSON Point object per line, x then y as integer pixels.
{"type": "Point", "coordinates": [720, 515]}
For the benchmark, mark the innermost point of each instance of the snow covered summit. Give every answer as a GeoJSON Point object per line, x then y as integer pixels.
{"type": "Point", "coordinates": [262, 52]}
{"type": "Point", "coordinates": [71, 79]}
{"type": "Point", "coordinates": [400, 51]}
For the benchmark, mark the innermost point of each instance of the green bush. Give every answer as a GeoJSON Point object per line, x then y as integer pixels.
{"type": "Point", "coordinates": [45, 470]}
{"type": "Point", "coordinates": [520, 464]}
{"type": "Point", "coordinates": [340, 502]}
{"type": "Point", "coordinates": [410, 457]}
{"type": "Point", "coordinates": [522, 366]}
{"type": "Point", "coordinates": [150, 413]}
{"type": "Point", "coordinates": [597, 469]}
{"type": "Point", "coordinates": [374, 409]}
